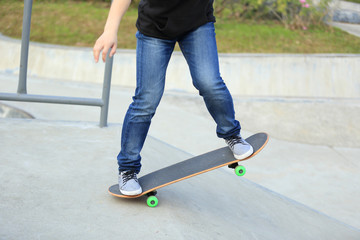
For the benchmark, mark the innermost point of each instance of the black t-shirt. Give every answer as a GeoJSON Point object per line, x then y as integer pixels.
{"type": "Point", "coordinates": [169, 19]}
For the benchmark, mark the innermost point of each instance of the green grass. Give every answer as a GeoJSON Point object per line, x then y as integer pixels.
{"type": "Point", "coordinates": [354, 1]}
{"type": "Point", "coordinates": [272, 37]}
{"type": "Point", "coordinates": [80, 24]}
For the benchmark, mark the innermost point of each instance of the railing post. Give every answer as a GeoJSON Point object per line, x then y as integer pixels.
{"type": "Point", "coordinates": [25, 38]}
{"type": "Point", "coordinates": [106, 90]}
{"type": "Point", "coordinates": [22, 93]}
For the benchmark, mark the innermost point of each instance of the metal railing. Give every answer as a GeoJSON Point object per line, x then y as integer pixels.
{"type": "Point", "coordinates": [22, 95]}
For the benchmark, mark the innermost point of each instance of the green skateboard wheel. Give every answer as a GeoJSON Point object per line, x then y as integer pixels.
{"type": "Point", "coordinates": [152, 201]}
{"type": "Point", "coordinates": [240, 170]}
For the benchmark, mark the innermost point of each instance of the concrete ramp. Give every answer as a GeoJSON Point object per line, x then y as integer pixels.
{"type": "Point", "coordinates": [55, 175]}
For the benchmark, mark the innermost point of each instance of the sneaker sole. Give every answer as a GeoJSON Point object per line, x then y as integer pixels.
{"type": "Point", "coordinates": [131, 193]}
{"type": "Point", "coordinates": [245, 155]}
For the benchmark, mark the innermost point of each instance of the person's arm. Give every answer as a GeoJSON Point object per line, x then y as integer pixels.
{"type": "Point", "coordinates": [108, 39]}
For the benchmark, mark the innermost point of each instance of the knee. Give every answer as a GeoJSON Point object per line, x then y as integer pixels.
{"type": "Point", "coordinates": [145, 103]}
{"type": "Point", "coordinates": [211, 86]}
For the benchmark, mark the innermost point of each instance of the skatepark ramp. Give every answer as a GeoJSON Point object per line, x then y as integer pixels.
{"type": "Point", "coordinates": [7, 111]}
{"type": "Point", "coordinates": [55, 175]}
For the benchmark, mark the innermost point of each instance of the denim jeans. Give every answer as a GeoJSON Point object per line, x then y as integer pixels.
{"type": "Point", "coordinates": [152, 58]}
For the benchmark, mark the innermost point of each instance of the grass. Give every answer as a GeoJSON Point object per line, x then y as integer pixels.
{"type": "Point", "coordinates": [272, 37]}
{"type": "Point", "coordinates": [80, 24]}
{"type": "Point", "coordinates": [354, 1]}
{"type": "Point", "coordinates": [71, 23]}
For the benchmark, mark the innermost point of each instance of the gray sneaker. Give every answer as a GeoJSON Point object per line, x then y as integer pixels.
{"type": "Point", "coordinates": [240, 148]}
{"type": "Point", "coordinates": [129, 184]}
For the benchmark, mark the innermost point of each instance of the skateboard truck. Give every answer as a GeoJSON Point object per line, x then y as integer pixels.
{"type": "Point", "coordinates": [239, 169]}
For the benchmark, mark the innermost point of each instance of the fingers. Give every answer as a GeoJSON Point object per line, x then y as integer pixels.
{"type": "Point", "coordinates": [106, 50]}
{"type": "Point", "coordinates": [104, 53]}
{"type": "Point", "coordinates": [96, 51]}
{"type": "Point", "coordinates": [113, 50]}
{"type": "Point", "coordinates": [104, 44]}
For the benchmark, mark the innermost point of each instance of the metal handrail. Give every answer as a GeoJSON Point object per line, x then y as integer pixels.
{"type": "Point", "coordinates": [22, 95]}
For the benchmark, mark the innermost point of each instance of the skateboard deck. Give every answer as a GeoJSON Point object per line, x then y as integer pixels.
{"type": "Point", "coordinates": [192, 167]}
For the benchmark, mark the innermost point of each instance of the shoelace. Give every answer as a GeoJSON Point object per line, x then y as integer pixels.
{"type": "Point", "coordinates": [128, 176]}
{"type": "Point", "coordinates": [234, 140]}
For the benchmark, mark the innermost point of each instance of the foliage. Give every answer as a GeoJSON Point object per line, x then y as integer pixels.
{"type": "Point", "coordinates": [238, 8]}
{"type": "Point", "coordinates": [299, 13]}
{"type": "Point", "coordinates": [354, 1]}
{"type": "Point", "coordinates": [293, 14]}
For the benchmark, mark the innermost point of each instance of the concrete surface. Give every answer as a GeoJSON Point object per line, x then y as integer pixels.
{"type": "Point", "coordinates": [346, 16]}
{"type": "Point", "coordinates": [331, 122]}
{"type": "Point", "coordinates": [7, 111]}
{"type": "Point", "coordinates": [320, 121]}
{"type": "Point", "coordinates": [353, 29]}
{"type": "Point", "coordinates": [274, 75]}
{"type": "Point", "coordinates": [55, 176]}
{"type": "Point", "coordinates": [345, 5]}
{"type": "Point", "coordinates": [72, 163]}
{"type": "Point", "coordinates": [346, 12]}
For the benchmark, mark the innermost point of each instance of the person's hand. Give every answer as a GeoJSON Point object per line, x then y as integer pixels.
{"type": "Point", "coordinates": [105, 42]}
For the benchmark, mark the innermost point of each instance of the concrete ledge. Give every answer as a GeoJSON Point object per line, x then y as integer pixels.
{"type": "Point", "coordinates": [349, 6]}
{"type": "Point", "coordinates": [319, 121]}
{"type": "Point", "coordinates": [328, 122]}
{"type": "Point", "coordinates": [346, 16]}
{"type": "Point", "coordinates": [278, 75]}
{"type": "Point", "coordinates": [347, 12]}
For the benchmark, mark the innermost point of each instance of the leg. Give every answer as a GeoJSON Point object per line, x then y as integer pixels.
{"type": "Point", "coordinates": [200, 50]}
{"type": "Point", "coordinates": [152, 59]}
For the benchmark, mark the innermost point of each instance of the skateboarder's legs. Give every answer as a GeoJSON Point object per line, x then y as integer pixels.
{"type": "Point", "coordinates": [153, 55]}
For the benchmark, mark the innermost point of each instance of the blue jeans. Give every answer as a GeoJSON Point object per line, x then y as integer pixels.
{"type": "Point", "coordinates": [152, 58]}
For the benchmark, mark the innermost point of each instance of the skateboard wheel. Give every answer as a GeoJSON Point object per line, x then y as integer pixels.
{"type": "Point", "coordinates": [240, 170]}
{"type": "Point", "coordinates": [152, 201]}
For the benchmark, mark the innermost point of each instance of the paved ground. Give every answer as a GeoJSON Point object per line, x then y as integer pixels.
{"type": "Point", "coordinates": [56, 170]}
{"type": "Point", "coordinates": [353, 29]}
{"type": "Point", "coordinates": [350, 11]}
{"type": "Point", "coordinates": [55, 176]}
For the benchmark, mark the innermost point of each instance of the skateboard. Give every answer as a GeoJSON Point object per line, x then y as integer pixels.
{"type": "Point", "coordinates": [151, 182]}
